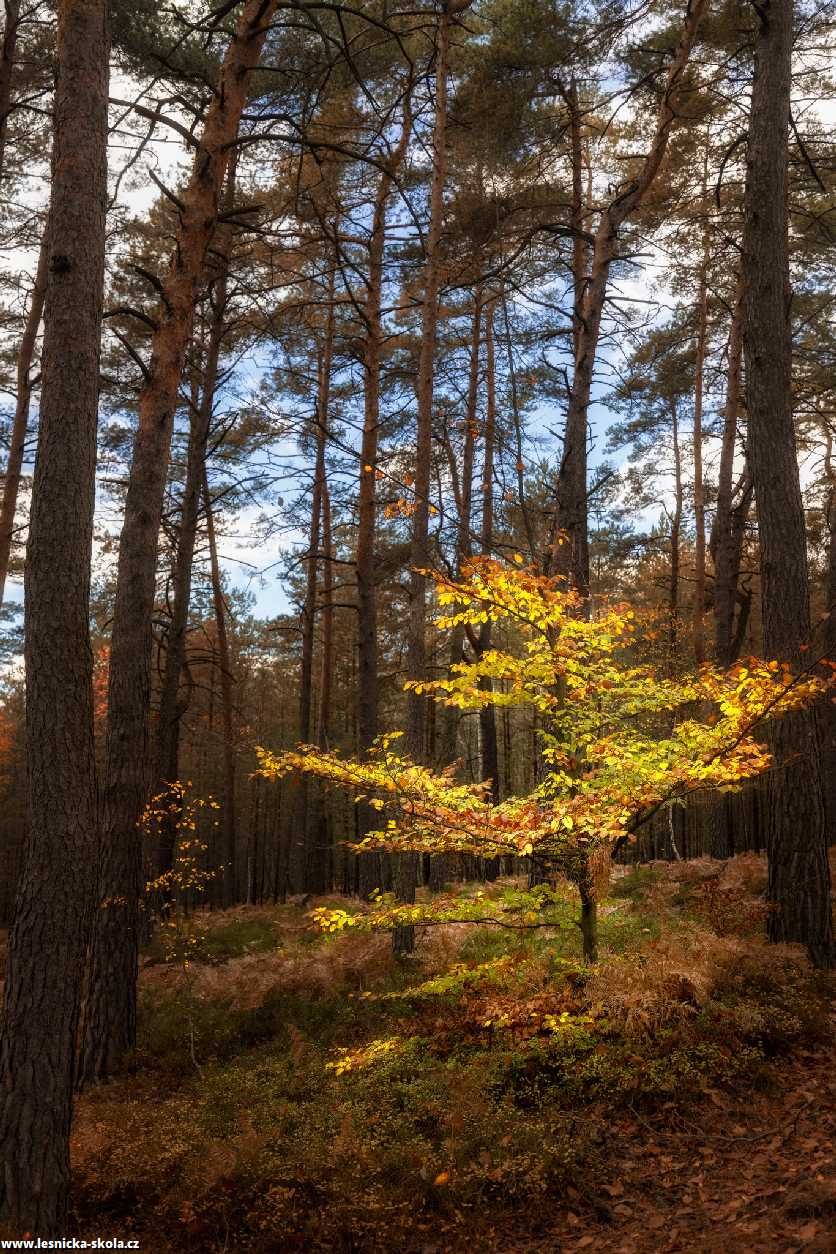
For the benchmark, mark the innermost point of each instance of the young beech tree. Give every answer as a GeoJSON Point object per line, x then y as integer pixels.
{"type": "Point", "coordinates": [618, 742]}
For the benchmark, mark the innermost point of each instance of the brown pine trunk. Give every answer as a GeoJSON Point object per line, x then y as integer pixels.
{"type": "Point", "coordinates": [522, 500]}
{"type": "Point", "coordinates": [799, 881]}
{"type": "Point", "coordinates": [676, 531]}
{"type": "Point", "coordinates": [440, 864]}
{"type": "Point", "coordinates": [228, 810]}
{"type": "Point", "coordinates": [368, 684]}
{"type": "Point", "coordinates": [326, 684]}
{"type": "Point", "coordinates": [727, 536]}
{"type": "Point", "coordinates": [303, 854]}
{"type": "Point", "coordinates": [487, 714]}
{"type": "Point", "coordinates": [17, 446]}
{"type": "Point", "coordinates": [699, 486]}
{"type": "Point", "coordinates": [419, 556]}
{"type": "Point", "coordinates": [730, 519]}
{"type": "Point", "coordinates": [406, 865]}
{"type": "Point", "coordinates": [53, 911]}
{"type": "Point", "coordinates": [464, 501]}
{"type": "Point", "coordinates": [321, 878]}
{"type": "Point", "coordinates": [829, 644]}
{"type": "Point", "coordinates": [580, 246]}
{"type": "Point", "coordinates": [110, 1028]}
{"type": "Point", "coordinates": [171, 710]}
{"type": "Point", "coordinates": [7, 57]}
{"type": "Point", "coordinates": [571, 558]}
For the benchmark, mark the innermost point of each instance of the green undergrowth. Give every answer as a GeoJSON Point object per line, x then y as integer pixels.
{"type": "Point", "coordinates": [230, 939]}
{"type": "Point", "coordinates": [320, 1094]}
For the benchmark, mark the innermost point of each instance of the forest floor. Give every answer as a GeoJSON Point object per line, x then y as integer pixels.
{"type": "Point", "coordinates": [753, 1172]}
{"type": "Point", "coordinates": [293, 1091]}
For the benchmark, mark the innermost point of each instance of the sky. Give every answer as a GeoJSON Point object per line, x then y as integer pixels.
{"type": "Point", "coordinates": [252, 562]}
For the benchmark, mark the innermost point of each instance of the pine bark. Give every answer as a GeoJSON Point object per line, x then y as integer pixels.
{"type": "Point", "coordinates": [406, 864]}
{"type": "Point", "coordinates": [698, 626]}
{"type": "Point", "coordinates": [419, 556]}
{"type": "Point", "coordinates": [302, 862]}
{"type": "Point", "coordinates": [321, 876]}
{"type": "Point", "coordinates": [20, 423]}
{"type": "Point", "coordinates": [167, 769]}
{"type": "Point", "coordinates": [730, 519]}
{"type": "Point", "coordinates": [7, 60]}
{"type": "Point", "coordinates": [676, 539]}
{"type": "Point", "coordinates": [227, 676]}
{"type": "Point", "coordinates": [55, 894]}
{"type": "Point", "coordinates": [368, 683]}
{"type": "Point", "coordinates": [110, 1026]}
{"type": "Point", "coordinates": [828, 725]}
{"type": "Point", "coordinates": [571, 556]}
{"type": "Point", "coordinates": [489, 751]}
{"type": "Point", "coordinates": [799, 882]}
{"type": "Point", "coordinates": [464, 502]}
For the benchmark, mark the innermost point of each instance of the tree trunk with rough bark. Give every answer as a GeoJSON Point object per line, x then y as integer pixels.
{"type": "Point", "coordinates": [730, 518]}
{"type": "Point", "coordinates": [228, 807]}
{"type": "Point", "coordinates": [302, 852]}
{"type": "Point", "coordinates": [698, 627]}
{"type": "Point", "coordinates": [464, 502]}
{"type": "Point", "coordinates": [20, 423]}
{"type": "Point", "coordinates": [828, 722]}
{"type": "Point", "coordinates": [571, 558]}
{"type": "Point", "coordinates": [487, 714]}
{"type": "Point", "coordinates": [368, 683]}
{"type": "Point", "coordinates": [110, 1026]}
{"type": "Point", "coordinates": [799, 881]}
{"type": "Point", "coordinates": [52, 920]}
{"type": "Point", "coordinates": [171, 710]}
{"type": "Point", "coordinates": [419, 556]}
{"type": "Point", "coordinates": [7, 60]}
{"type": "Point", "coordinates": [322, 876]}
{"type": "Point", "coordinates": [676, 537]}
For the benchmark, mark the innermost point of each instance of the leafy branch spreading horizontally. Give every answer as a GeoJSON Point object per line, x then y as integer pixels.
{"type": "Point", "coordinates": [618, 740]}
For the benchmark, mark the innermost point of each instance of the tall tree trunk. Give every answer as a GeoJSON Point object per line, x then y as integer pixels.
{"type": "Point", "coordinates": [440, 864]}
{"type": "Point", "coordinates": [419, 556]}
{"type": "Point", "coordinates": [464, 501]}
{"type": "Point", "coordinates": [727, 536]}
{"type": "Point", "coordinates": [7, 58]}
{"type": "Point", "coordinates": [322, 870]}
{"type": "Point", "coordinates": [699, 389]}
{"type": "Point", "coordinates": [829, 643]}
{"type": "Point", "coordinates": [17, 444]}
{"type": "Point", "coordinates": [489, 753]}
{"type": "Point", "coordinates": [799, 882]}
{"type": "Point", "coordinates": [730, 518]}
{"type": "Point", "coordinates": [570, 517]}
{"type": "Point", "coordinates": [228, 809]}
{"type": "Point", "coordinates": [326, 684]}
{"type": "Point", "coordinates": [53, 911]}
{"type": "Point", "coordinates": [518, 434]}
{"type": "Point", "coordinates": [110, 1027]}
{"type": "Point", "coordinates": [676, 532]}
{"type": "Point", "coordinates": [368, 683]}
{"type": "Point", "coordinates": [302, 861]}
{"type": "Point", "coordinates": [571, 558]}
{"type": "Point", "coordinates": [580, 245]}
{"type": "Point", "coordinates": [171, 710]}
{"type": "Point", "coordinates": [406, 869]}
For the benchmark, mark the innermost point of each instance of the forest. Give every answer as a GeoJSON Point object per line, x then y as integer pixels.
{"type": "Point", "coordinates": [418, 628]}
